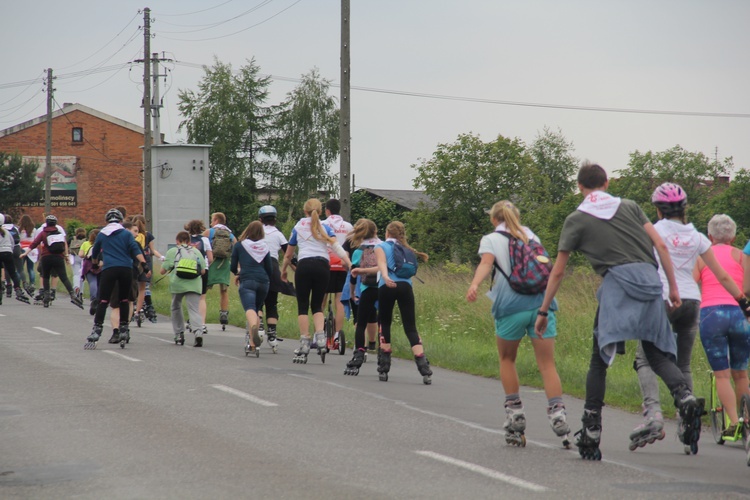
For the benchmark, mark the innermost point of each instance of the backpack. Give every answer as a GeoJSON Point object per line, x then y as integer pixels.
{"type": "Point", "coordinates": [369, 259]}
{"type": "Point", "coordinates": [197, 243]}
{"type": "Point", "coordinates": [75, 244]}
{"type": "Point", "coordinates": [530, 266]}
{"type": "Point", "coordinates": [222, 243]}
{"type": "Point", "coordinates": [187, 267]}
{"type": "Point", "coordinates": [405, 261]}
{"type": "Point", "coordinates": [56, 242]}
{"type": "Point", "coordinates": [16, 235]}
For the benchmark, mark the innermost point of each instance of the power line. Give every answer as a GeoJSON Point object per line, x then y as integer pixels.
{"type": "Point", "coordinates": [236, 32]}
{"type": "Point", "coordinates": [506, 102]}
{"type": "Point", "coordinates": [23, 91]}
{"type": "Point", "coordinates": [197, 11]}
{"type": "Point", "coordinates": [105, 45]}
{"type": "Point", "coordinates": [203, 27]}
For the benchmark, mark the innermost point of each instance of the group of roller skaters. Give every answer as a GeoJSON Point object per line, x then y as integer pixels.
{"type": "Point", "coordinates": [649, 293]}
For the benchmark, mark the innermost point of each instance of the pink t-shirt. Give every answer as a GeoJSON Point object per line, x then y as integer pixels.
{"type": "Point", "coordinates": [713, 293]}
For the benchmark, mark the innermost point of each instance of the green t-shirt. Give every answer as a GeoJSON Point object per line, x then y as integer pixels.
{"type": "Point", "coordinates": [181, 285]}
{"type": "Point", "coordinates": [608, 243]}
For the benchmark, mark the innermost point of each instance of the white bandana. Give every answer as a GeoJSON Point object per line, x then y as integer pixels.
{"type": "Point", "coordinates": [111, 228]}
{"type": "Point", "coordinates": [257, 249]}
{"type": "Point", "coordinates": [600, 204]}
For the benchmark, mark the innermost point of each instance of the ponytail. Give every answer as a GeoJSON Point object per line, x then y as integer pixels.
{"type": "Point", "coordinates": [397, 231]}
{"type": "Point", "coordinates": [505, 211]}
{"type": "Point", "coordinates": [313, 208]}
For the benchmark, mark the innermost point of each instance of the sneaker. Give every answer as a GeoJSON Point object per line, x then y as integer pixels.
{"type": "Point", "coordinates": [198, 341]}
{"type": "Point", "coordinates": [730, 431]}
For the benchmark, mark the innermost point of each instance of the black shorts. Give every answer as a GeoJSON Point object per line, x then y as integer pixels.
{"type": "Point", "coordinates": [204, 281]}
{"type": "Point", "coordinates": [336, 282]}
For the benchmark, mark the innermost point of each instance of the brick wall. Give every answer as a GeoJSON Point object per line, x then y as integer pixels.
{"type": "Point", "coordinates": [109, 164]}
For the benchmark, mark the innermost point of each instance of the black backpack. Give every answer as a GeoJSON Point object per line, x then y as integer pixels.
{"type": "Point", "coordinates": [55, 242]}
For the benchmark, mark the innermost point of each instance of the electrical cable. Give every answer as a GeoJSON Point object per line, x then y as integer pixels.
{"type": "Point", "coordinates": [197, 11]}
{"type": "Point", "coordinates": [40, 77]}
{"type": "Point", "coordinates": [203, 27]}
{"type": "Point", "coordinates": [236, 32]}
{"type": "Point", "coordinates": [105, 45]}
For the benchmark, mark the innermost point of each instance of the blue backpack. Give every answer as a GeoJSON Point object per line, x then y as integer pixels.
{"type": "Point", "coordinates": [405, 261]}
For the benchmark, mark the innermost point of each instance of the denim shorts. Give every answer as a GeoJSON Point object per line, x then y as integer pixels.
{"type": "Point", "coordinates": [725, 335]}
{"type": "Point", "coordinates": [516, 325]}
{"type": "Point", "coordinates": [252, 294]}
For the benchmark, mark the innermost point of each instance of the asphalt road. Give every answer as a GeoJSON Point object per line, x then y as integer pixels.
{"type": "Point", "coordinates": [156, 420]}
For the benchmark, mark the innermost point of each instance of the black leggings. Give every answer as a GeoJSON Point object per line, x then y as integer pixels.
{"type": "Point", "coordinates": [271, 304]}
{"type": "Point", "coordinates": [387, 298]}
{"type": "Point", "coordinates": [366, 313]}
{"type": "Point", "coordinates": [311, 278]}
{"type": "Point", "coordinates": [661, 363]}
{"type": "Point", "coordinates": [123, 277]}
{"type": "Point", "coordinates": [6, 261]}
{"type": "Point", "coordinates": [55, 264]}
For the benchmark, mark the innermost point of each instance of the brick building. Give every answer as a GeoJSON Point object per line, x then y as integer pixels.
{"type": "Point", "coordinates": [97, 162]}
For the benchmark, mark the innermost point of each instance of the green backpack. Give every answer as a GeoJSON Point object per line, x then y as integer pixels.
{"type": "Point", "coordinates": [187, 267]}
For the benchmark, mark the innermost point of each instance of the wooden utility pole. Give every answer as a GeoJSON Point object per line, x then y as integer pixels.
{"type": "Point", "coordinates": [156, 107]}
{"type": "Point", "coordinates": [345, 117]}
{"type": "Point", "coordinates": [147, 118]}
{"type": "Point", "coordinates": [48, 165]}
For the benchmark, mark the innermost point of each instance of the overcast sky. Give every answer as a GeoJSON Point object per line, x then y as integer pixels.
{"type": "Point", "coordinates": [667, 55]}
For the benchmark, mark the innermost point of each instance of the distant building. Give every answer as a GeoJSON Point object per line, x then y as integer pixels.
{"type": "Point", "coordinates": [97, 162]}
{"type": "Point", "coordinates": [404, 199]}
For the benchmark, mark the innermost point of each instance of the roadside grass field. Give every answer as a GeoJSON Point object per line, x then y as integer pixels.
{"type": "Point", "coordinates": [459, 336]}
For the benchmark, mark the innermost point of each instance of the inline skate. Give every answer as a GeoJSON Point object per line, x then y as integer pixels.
{"type": "Point", "coordinates": [77, 301]}
{"type": "Point", "coordinates": [223, 319]}
{"type": "Point", "coordinates": [39, 298]}
{"type": "Point", "coordinates": [558, 421]}
{"type": "Point", "coordinates": [384, 364]}
{"type": "Point", "coordinates": [320, 342]}
{"type": "Point", "coordinates": [353, 366]}
{"type": "Point", "coordinates": [515, 423]}
{"type": "Point", "coordinates": [150, 312]}
{"type": "Point", "coordinates": [179, 338]}
{"type": "Point", "coordinates": [47, 298]}
{"type": "Point", "coordinates": [590, 435]}
{"type": "Point", "coordinates": [273, 341]}
{"type": "Point", "coordinates": [301, 353]}
{"type": "Point", "coordinates": [21, 296]}
{"type": "Point", "coordinates": [8, 289]}
{"type": "Point", "coordinates": [115, 338]}
{"type": "Point", "coordinates": [124, 334]}
{"type": "Point", "coordinates": [93, 338]}
{"type": "Point", "coordinates": [651, 429]}
{"type": "Point", "coordinates": [423, 365]}
{"type": "Point", "coordinates": [690, 410]}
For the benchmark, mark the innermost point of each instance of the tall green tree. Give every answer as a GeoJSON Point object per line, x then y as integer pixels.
{"type": "Point", "coordinates": [305, 141]}
{"type": "Point", "coordinates": [229, 112]}
{"type": "Point", "coordinates": [464, 179]}
{"type": "Point", "coordinates": [699, 175]}
{"type": "Point", "coordinates": [18, 183]}
{"type": "Point", "coordinates": [553, 155]}
{"type": "Point", "coordinates": [733, 201]}
{"type": "Point", "coordinates": [380, 211]}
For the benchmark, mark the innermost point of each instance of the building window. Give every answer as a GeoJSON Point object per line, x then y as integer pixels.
{"type": "Point", "coordinates": [77, 134]}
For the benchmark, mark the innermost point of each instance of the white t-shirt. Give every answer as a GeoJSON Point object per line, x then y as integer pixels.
{"type": "Point", "coordinates": [340, 227]}
{"type": "Point", "coordinates": [685, 245]}
{"type": "Point", "coordinates": [307, 245]}
{"type": "Point", "coordinates": [275, 239]}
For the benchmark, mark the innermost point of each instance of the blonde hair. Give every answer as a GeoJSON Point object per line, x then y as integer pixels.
{"type": "Point", "coordinates": [363, 229]}
{"type": "Point", "coordinates": [313, 208]}
{"type": "Point", "coordinates": [397, 231]}
{"type": "Point", "coordinates": [505, 211]}
{"type": "Point", "coordinates": [219, 217]}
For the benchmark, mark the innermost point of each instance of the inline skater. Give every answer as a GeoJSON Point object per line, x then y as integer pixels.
{"type": "Point", "coordinates": [196, 227]}
{"type": "Point", "coordinates": [311, 276]}
{"type": "Point", "coordinates": [618, 240]}
{"type": "Point", "coordinates": [515, 314]}
{"type": "Point", "coordinates": [337, 278]}
{"type": "Point", "coordinates": [74, 247]}
{"type": "Point", "coordinates": [222, 240]}
{"type": "Point", "coordinates": [53, 255]}
{"type": "Point", "coordinates": [27, 231]}
{"type": "Point", "coordinates": [145, 239]}
{"type": "Point", "coordinates": [393, 289]}
{"type": "Point", "coordinates": [7, 261]}
{"type": "Point", "coordinates": [724, 331]}
{"type": "Point", "coordinates": [685, 244]}
{"type": "Point", "coordinates": [90, 273]}
{"type": "Point", "coordinates": [276, 242]}
{"type": "Point", "coordinates": [120, 251]}
{"type": "Point", "coordinates": [251, 263]}
{"type": "Point", "coordinates": [363, 240]}
{"type": "Point", "coordinates": [185, 285]}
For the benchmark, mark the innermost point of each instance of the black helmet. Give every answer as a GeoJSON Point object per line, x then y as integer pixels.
{"type": "Point", "coordinates": [51, 220]}
{"type": "Point", "coordinates": [113, 215]}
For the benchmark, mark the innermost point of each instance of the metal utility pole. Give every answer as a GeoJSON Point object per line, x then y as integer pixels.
{"type": "Point", "coordinates": [48, 165]}
{"type": "Point", "coordinates": [156, 106]}
{"type": "Point", "coordinates": [147, 118]}
{"type": "Point", "coordinates": [345, 116]}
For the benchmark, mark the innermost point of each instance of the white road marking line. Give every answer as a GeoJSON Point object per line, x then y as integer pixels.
{"type": "Point", "coordinates": [492, 474]}
{"type": "Point", "coordinates": [46, 330]}
{"type": "Point", "coordinates": [243, 395]}
{"type": "Point", "coordinates": [3, 315]}
{"type": "Point", "coordinates": [115, 353]}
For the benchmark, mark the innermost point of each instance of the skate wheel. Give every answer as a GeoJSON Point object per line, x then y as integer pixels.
{"type": "Point", "coordinates": [686, 449]}
{"type": "Point", "coordinates": [365, 360]}
{"type": "Point", "coordinates": [428, 381]}
{"type": "Point", "coordinates": [322, 353]}
{"type": "Point", "coordinates": [122, 344]}
{"type": "Point", "coordinates": [523, 441]}
{"type": "Point", "coordinates": [223, 327]}
{"type": "Point", "coordinates": [383, 377]}
{"type": "Point", "coordinates": [694, 448]}
{"type": "Point", "coordinates": [342, 344]}
{"type": "Point", "coordinates": [257, 352]}
{"type": "Point", "coordinates": [274, 349]}
{"type": "Point", "coordinates": [566, 443]}
{"type": "Point", "coordinates": [633, 446]}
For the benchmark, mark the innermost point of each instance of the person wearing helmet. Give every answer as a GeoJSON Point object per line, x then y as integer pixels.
{"type": "Point", "coordinates": [276, 242]}
{"type": "Point", "coordinates": [222, 240]}
{"type": "Point", "coordinates": [619, 241]}
{"type": "Point", "coordinates": [120, 251]}
{"type": "Point", "coordinates": [686, 246]}
{"type": "Point", "coordinates": [53, 256]}
{"type": "Point", "coordinates": [7, 261]}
